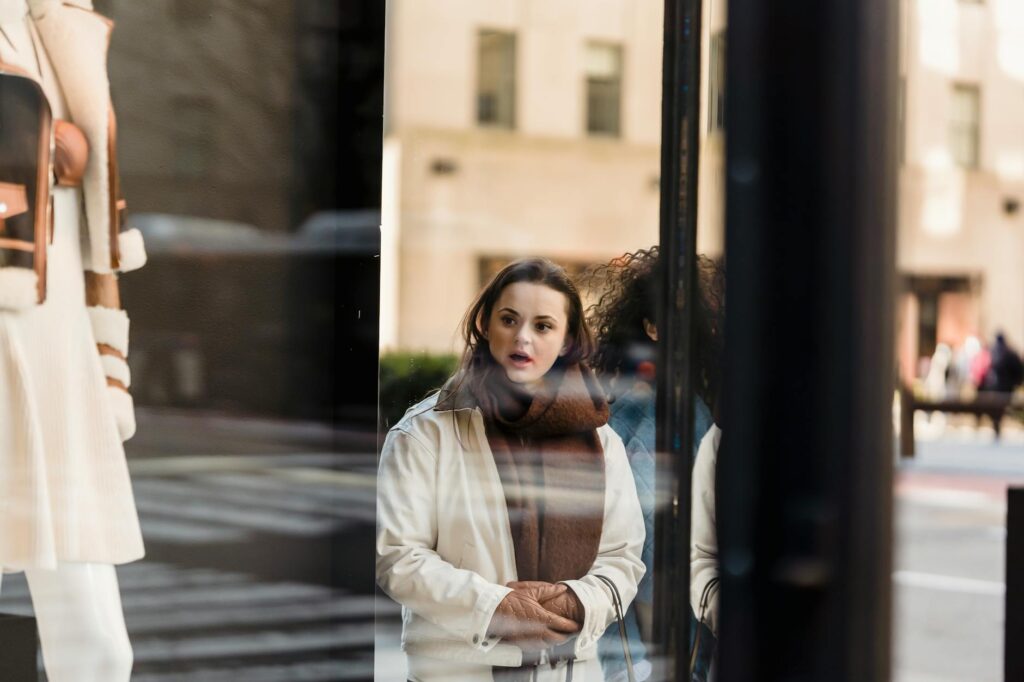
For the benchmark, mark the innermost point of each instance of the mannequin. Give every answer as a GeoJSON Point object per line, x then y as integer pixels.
{"type": "Point", "coordinates": [69, 514]}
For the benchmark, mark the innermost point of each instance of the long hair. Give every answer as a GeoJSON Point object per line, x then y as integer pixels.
{"type": "Point", "coordinates": [630, 287]}
{"type": "Point", "coordinates": [477, 355]}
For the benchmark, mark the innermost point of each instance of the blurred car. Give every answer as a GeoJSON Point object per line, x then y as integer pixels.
{"type": "Point", "coordinates": [229, 317]}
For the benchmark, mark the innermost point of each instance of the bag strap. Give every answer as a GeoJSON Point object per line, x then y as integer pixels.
{"type": "Point", "coordinates": [617, 603]}
{"type": "Point", "coordinates": [705, 601]}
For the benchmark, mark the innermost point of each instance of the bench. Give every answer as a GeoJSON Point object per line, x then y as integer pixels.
{"type": "Point", "coordinates": [986, 403]}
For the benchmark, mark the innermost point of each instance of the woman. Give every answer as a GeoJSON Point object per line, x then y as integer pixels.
{"type": "Point", "coordinates": [69, 514]}
{"type": "Point", "coordinates": [505, 499]}
{"type": "Point", "coordinates": [625, 322]}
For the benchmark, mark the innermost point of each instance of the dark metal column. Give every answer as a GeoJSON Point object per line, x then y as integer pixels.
{"type": "Point", "coordinates": [1013, 645]}
{"type": "Point", "coordinates": [805, 471]}
{"type": "Point", "coordinates": [680, 125]}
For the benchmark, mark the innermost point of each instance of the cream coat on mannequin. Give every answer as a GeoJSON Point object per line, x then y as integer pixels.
{"type": "Point", "coordinates": [67, 513]}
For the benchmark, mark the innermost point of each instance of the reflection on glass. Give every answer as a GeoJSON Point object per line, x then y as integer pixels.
{"type": "Point", "coordinates": [514, 130]}
{"type": "Point", "coordinates": [708, 323]}
{"type": "Point", "coordinates": [253, 333]}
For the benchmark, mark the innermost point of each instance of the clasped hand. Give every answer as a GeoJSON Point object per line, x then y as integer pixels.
{"type": "Point", "coordinates": [537, 615]}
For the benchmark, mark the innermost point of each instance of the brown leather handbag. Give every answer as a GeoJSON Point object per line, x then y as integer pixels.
{"type": "Point", "coordinates": [25, 162]}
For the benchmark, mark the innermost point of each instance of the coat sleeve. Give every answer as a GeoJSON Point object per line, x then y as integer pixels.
{"type": "Point", "coordinates": [704, 537]}
{"type": "Point", "coordinates": [618, 557]}
{"type": "Point", "coordinates": [409, 569]}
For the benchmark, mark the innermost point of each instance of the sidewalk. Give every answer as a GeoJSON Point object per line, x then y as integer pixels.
{"type": "Point", "coordinates": [950, 556]}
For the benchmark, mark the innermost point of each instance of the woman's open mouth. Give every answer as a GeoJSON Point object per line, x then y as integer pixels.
{"type": "Point", "coordinates": [520, 359]}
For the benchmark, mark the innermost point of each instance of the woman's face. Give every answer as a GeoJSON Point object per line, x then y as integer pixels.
{"type": "Point", "coordinates": [527, 331]}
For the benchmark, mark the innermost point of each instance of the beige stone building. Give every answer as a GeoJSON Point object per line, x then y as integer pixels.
{"type": "Point", "coordinates": [961, 228]}
{"type": "Point", "coordinates": [512, 128]}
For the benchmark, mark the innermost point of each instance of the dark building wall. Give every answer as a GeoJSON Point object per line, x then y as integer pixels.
{"type": "Point", "coordinates": [206, 99]}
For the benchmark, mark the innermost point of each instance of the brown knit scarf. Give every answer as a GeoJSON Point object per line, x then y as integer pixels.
{"type": "Point", "coordinates": [551, 464]}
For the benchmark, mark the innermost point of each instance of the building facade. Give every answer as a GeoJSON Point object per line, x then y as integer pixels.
{"type": "Point", "coordinates": [512, 128]}
{"type": "Point", "coordinates": [961, 228]}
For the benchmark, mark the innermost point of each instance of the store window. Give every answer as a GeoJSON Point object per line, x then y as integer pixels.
{"type": "Point", "coordinates": [604, 89]}
{"type": "Point", "coordinates": [965, 124]}
{"type": "Point", "coordinates": [460, 209]}
{"type": "Point", "coordinates": [496, 79]}
{"type": "Point", "coordinates": [219, 538]}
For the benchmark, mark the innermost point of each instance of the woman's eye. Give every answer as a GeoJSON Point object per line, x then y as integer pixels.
{"type": "Point", "coordinates": [543, 327]}
{"type": "Point", "coordinates": [508, 321]}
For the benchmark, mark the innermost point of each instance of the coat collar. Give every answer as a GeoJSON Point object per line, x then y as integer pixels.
{"type": "Point", "coordinates": [76, 40]}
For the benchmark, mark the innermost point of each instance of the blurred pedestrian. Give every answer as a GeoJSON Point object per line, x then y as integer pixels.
{"type": "Point", "coordinates": [1005, 371]}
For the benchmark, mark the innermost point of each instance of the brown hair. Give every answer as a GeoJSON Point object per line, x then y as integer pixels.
{"type": "Point", "coordinates": [477, 355]}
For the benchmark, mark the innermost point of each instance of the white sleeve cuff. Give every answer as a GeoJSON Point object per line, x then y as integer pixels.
{"type": "Point", "coordinates": [116, 368]}
{"type": "Point", "coordinates": [123, 407]}
{"type": "Point", "coordinates": [594, 621]}
{"type": "Point", "coordinates": [486, 605]}
{"type": "Point", "coordinates": [110, 327]}
{"type": "Point", "coordinates": [131, 249]}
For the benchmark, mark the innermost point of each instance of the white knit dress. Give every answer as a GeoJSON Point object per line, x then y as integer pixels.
{"type": "Point", "coordinates": [65, 494]}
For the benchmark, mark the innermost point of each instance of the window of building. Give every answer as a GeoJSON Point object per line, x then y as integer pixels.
{"type": "Point", "coordinates": [964, 124]}
{"type": "Point", "coordinates": [496, 79]}
{"type": "Point", "coordinates": [604, 89]}
{"type": "Point", "coordinates": [716, 83]}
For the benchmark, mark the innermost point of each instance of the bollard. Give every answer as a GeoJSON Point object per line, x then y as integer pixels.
{"type": "Point", "coordinates": [1013, 645]}
{"type": "Point", "coordinates": [20, 648]}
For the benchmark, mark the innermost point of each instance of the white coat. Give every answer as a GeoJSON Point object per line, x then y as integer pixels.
{"type": "Point", "coordinates": [704, 533]}
{"type": "Point", "coordinates": [64, 483]}
{"type": "Point", "coordinates": [444, 544]}
{"type": "Point", "coordinates": [76, 40]}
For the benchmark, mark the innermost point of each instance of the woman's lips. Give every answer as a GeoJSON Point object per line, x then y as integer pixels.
{"type": "Point", "coordinates": [520, 359]}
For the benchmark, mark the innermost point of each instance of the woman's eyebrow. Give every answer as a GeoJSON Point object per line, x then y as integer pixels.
{"type": "Point", "coordinates": [546, 317]}
{"type": "Point", "coordinates": [506, 309]}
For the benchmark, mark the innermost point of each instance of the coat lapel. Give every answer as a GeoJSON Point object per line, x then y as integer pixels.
{"type": "Point", "coordinates": [76, 40]}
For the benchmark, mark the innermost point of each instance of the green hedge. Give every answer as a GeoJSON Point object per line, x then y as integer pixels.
{"type": "Point", "coordinates": [407, 378]}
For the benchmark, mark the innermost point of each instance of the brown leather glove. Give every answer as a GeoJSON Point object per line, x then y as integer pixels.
{"type": "Point", "coordinates": [521, 620]}
{"type": "Point", "coordinates": [566, 605]}
{"type": "Point", "coordinates": [71, 153]}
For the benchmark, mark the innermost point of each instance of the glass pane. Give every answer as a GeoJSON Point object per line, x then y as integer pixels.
{"type": "Point", "coordinates": [212, 544]}
{"type": "Point", "coordinates": [960, 329]}
{"type": "Point", "coordinates": [466, 208]}
{"type": "Point", "coordinates": [604, 88]}
{"type": "Point", "coordinates": [708, 322]}
{"type": "Point", "coordinates": [496, 79]}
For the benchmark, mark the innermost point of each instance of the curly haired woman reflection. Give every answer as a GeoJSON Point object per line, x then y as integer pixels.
{"type": "Point", "coordinates": [624, 319]}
